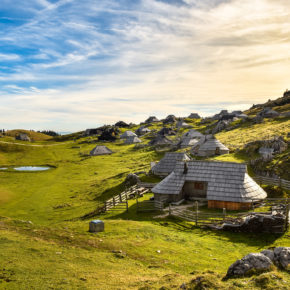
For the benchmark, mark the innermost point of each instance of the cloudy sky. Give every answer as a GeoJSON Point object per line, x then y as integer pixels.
{"type": "Point", "coordinates": [68, 65]}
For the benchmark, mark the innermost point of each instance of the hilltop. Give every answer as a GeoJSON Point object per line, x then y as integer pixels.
{"type": "Point", "coordinates": [43, 214]}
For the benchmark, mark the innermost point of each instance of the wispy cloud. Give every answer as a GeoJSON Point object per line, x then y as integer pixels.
{"type": "Point", "coordinates": [100, 61]}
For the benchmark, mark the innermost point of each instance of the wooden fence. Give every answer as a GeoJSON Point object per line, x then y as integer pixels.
{"type": "Point", "coordinates": [147, 185]}
{"type": "Point", "coordinates": [203, 218]}
{"type": "Point", "coordinates": [283, 183]}
{"type": "Point", "coordinates": [149, 205]}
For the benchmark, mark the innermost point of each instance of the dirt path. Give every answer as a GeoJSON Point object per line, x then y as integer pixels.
{"type": "Point", "coordinates": [33, 145]}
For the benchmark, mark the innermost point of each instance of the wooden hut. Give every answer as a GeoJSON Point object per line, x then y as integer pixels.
{"type": "Point", "coordinates": [161, 141]}
{"type": "Point", "coordinates": [222, 184]}
{"type": "Point", "coordinates": [128, 134]}
{"type": "Point", "coordinates": [132, 140]}
{"type": "Point", "coordinates": [209, 146]}
{"type": "Point", "coordinates": [100, 150]}
{"type": "Point", "coordinates": [167, 164]}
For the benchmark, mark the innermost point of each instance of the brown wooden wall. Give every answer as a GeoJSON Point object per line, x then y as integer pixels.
{"type": "Point", "coordinates": [228, 205]}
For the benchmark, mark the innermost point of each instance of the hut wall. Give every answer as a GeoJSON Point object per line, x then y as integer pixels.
{"type": "Point", "coordinates": [194, 189]}
{"type": "Point", "coordinates": [229, 205]}
{"type": "Point", "coordinates": [167, 198]}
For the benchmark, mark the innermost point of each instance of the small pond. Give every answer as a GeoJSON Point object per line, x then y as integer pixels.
{"type": "Point", "coordinates": [32, 168]}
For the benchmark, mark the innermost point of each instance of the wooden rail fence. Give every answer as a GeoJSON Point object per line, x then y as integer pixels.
{"type": "Point", "coordinates": [283, 183]}
{"type": "Point", "coordinates": [149, 205]}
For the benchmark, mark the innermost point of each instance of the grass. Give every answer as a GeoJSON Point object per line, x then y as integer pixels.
{"type": "Point", "coordinates": [41, 222]}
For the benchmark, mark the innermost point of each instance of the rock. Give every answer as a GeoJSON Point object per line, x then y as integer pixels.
{"type": "Point", "coordinates": [258, 119]}
{"type": "Point", "coordinates": [282, 257]}
{"type": "Point", "coordinates": [132, 179]}
{"type": "Point", "coordinates": [22, 137]}
{"type": "Point", "coordinates": [251, 262]}
{"type": "Point", "coordinates": [142, 130]}
{"type": "Point", "coordinates": [109, 133]}
{"type": "Point", "coordinates": [269, 254]}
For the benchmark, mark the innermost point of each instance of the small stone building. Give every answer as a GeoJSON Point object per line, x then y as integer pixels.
{"type": "Point", "coordinates": [222, 184]}
{"type": "Point", "coordinates": [167, 164]}
{"type": "Point", "coordinates": [100, 150]}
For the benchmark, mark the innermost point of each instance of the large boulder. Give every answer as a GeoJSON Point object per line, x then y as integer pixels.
{"type": "Point", "coordinates": [268, 113]}
{"type": "Point", "coordinates": [221, 125]}
{"type": "Point", "coordinates": [251, 263]}
{"type": "Point", "coordinates": [166, 132]}
{"type": "Point", "coordinates": [109, 133]}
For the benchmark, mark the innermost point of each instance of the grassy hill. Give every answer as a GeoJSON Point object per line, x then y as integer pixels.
{"type": "Point", "coordinates": [41, 221]}
{"type": "Point", "coordinates": [34, 136]}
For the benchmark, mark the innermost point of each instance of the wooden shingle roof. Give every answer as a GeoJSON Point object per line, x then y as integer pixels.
{"type": "Point", "coordinates": [132, 140]}
{"type": "Point", "coordinates": [128, 134]}
{"type": "Point", "coordinates": [168, 162]}
{"type": "Point", "coordinates": [227, 181]}
{"type": "Point", "coordinates": [100, 150]}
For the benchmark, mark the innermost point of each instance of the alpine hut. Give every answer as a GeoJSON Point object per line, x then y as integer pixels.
{"type": "Point", "coordinates": [209, 146]}
{"type": "Point", "coordinates": [100, 150]}
{"type": "Point", "coordinates": [160, 140]}
{"type": "Point", "coordinates": [192, 134]}
{"type": "Point", "coordinates": [194, 116]}
{"type": "Point", "coordinates": [151, 120]}
{"type": "Point", "coordinates": [222, 184]}
{"type": "Point", "coordinates": [167, 164]}
{"type": "Point", "coordinates": [128, 134]}
{"type": "Point", "coordinates": [182, 124]}
{"type": "Point", "coordinates": [132, 140]}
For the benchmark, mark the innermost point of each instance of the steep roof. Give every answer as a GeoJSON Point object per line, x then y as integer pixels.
{"type": "Point", "coordinates": [167, 164]}
{"type": "Point", "coordinates": [188, 141]}
{"type": "Point", "coordinates": [227, 181]}
{"type": "Point", "coordinates": [100, 150]}
{"type": "Point", "coordinates": [132, 139]}
{"type": "Point", "coordinates": [128, 134]}
{"type": "Point", "coordinates": [160, 140]}
{"type": "Point", "coordinates": [192, 133]}
{"type": "Point", "coordinates": [212, 144]}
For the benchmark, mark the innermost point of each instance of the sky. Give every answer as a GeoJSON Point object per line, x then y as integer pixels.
{"type": "Point", "coordinates": [68, 65]}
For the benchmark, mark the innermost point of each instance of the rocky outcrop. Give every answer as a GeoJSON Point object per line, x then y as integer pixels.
{"type": "Point", "coordinates": [23, 137]}
{"type": "Point", "coordinates": [142, 130]}
{"type": "Point", "coordinates": [251, 263]}
{"type": "Point", "coordinates": [260, 262]}
{"type": "Point", "coordinates": [221, 125]}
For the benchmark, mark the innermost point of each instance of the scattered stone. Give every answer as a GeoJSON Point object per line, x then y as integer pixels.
{"type": "Point", "coordinates": [158, 251]}
{"type": "Point", "coordinates": [282, 257]}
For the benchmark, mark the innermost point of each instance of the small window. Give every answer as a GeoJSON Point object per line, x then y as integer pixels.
{"type": "Point", "coordinates": [198, 185]}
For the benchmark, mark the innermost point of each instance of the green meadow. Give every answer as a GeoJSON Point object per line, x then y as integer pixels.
{"type": "Point", "coordinates": [44, 239]}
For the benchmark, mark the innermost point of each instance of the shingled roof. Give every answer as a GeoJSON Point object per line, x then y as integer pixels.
{"type": "Point", "coordinates": [132, 140]}
{"type": "Point", "coordinates": [227, 181]}
{"type": "Point", "coordinates": [167, 164]}
{"type": "Point", "coordinates": [100, 150]}
{"type": "Point", "coordinates": [160, 141]}
{"type": "Point", "coordinates": [192, 133]}
{"type": "Point", "coordinates": [212, 144]}
{"type": "Point", "coordinates": [128, 134]}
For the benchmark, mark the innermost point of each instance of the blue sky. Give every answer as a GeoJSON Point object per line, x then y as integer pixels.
{"type": "Point", "coordinates": [73, 64]}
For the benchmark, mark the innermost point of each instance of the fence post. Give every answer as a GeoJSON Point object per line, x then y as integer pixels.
{"type": "Point", "coordinates": [137, 202]}
{"type": "Point", "coordinates": [224, 213]}
{"type": "Point", "coordinates": [287, 215]}
{"type": "Point", "coordinates": [127, 208]}
{"type": "Point", "coordinates": [196, 213]}
{"type": "Point", "coordinates": [252, 205]}
{"type": "Point", "coordinates": [280, 183]}
{"type": "Point", "coordinates": [105, 206]}
{"type": "Point", "coordinates": [170, 209]}
{"type": "Point", "coordinates": [120, 197]}
{"type": "Point", "coordinates": [113, 200]}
